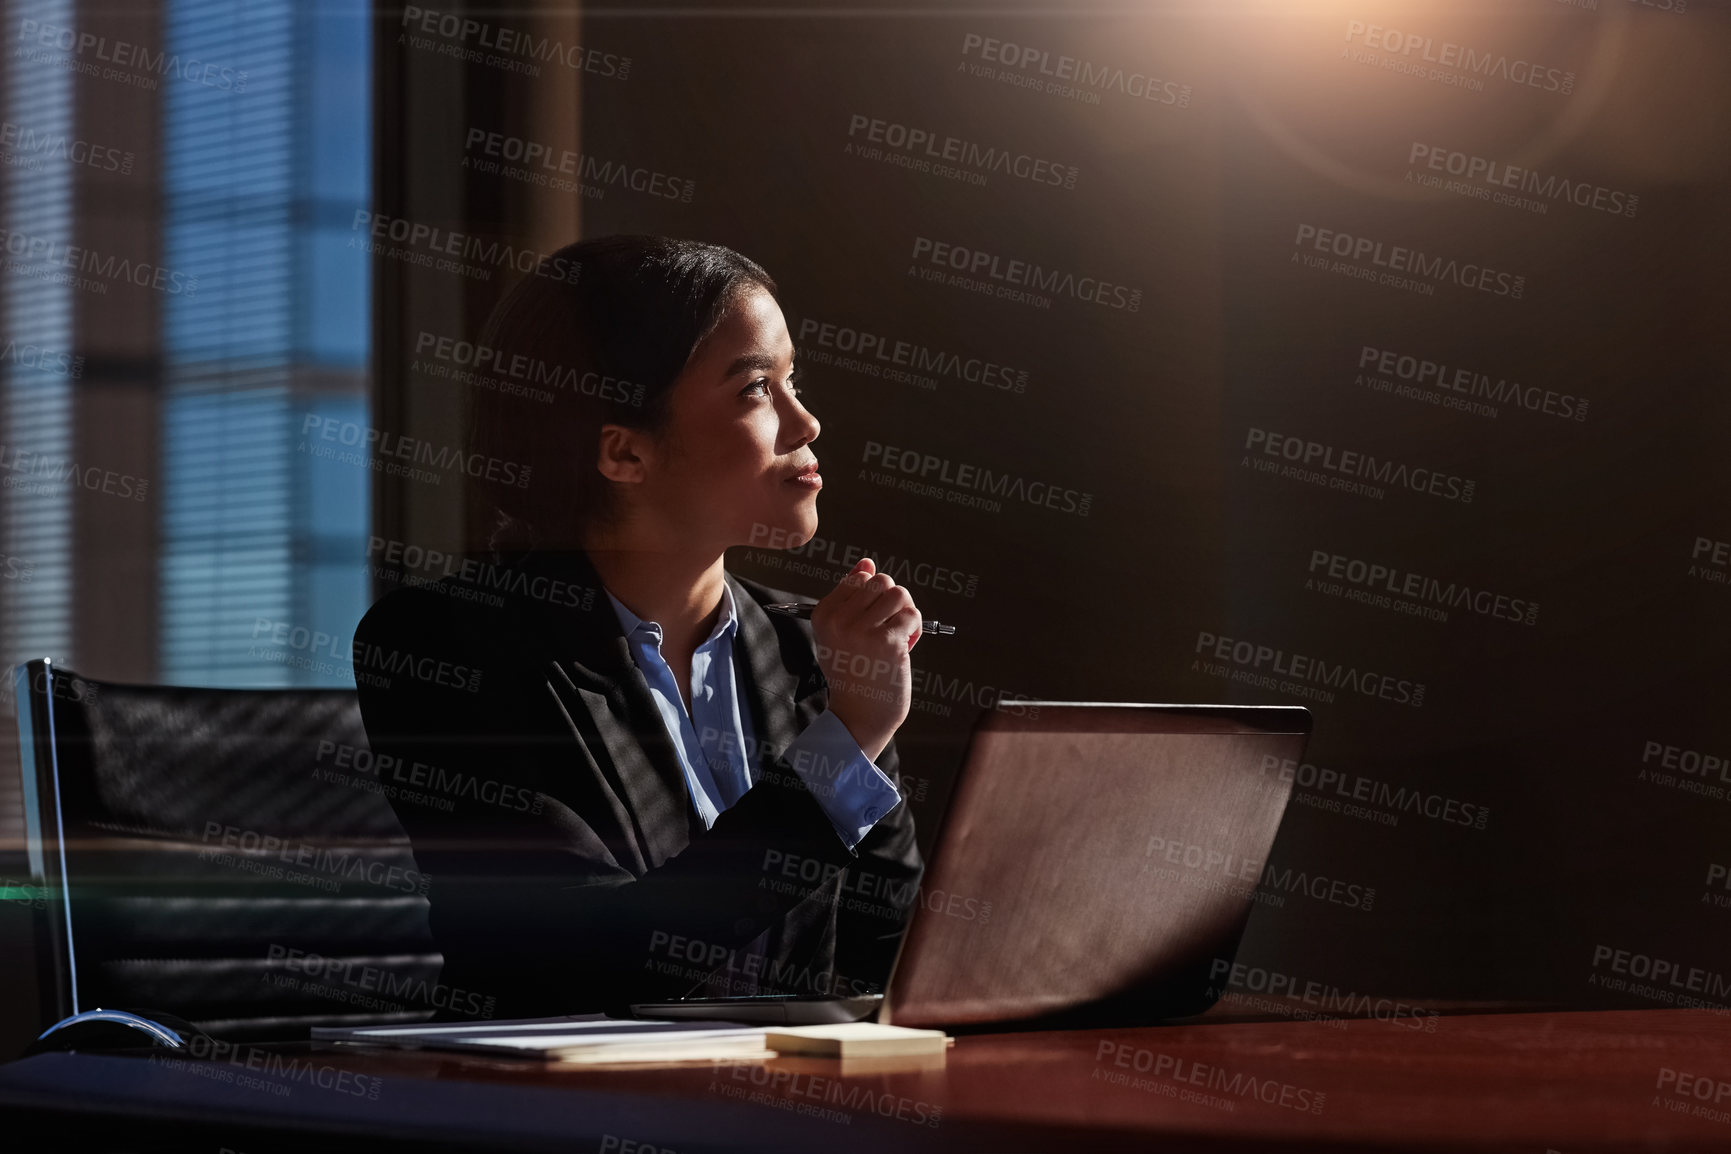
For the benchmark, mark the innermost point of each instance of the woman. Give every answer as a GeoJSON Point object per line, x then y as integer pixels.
{"type": "Point", "coordinates": [626, 780]}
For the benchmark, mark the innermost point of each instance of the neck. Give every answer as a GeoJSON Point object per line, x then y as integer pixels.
{"type": "Point", "coordinates": [679, 589]}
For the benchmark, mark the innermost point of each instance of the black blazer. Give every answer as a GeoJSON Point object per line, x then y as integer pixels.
{"type": "Point", "coordinates": [522, 751]}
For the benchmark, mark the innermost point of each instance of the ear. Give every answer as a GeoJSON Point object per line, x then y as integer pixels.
{"type": "Point", "coordinates": [621, 455]}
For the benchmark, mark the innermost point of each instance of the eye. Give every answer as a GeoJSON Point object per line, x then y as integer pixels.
{"type": "Point", "coordinates": [763, 383]}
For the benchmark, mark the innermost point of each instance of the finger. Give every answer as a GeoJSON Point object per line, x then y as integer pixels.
{"type": "Point", "coordinates": [875, 602]}
{"type": "Point", "coordinates": [847, 589]}
{"type": "Point", "coordinates": [853, 601]}
{"type": "Point", "coordinates": [905, 623]}
{"type": "Point", "coordinates": [887, 605]}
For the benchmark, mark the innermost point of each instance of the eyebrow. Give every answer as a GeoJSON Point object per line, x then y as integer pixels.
{"type": "Point", "coordinates": [761, 362]}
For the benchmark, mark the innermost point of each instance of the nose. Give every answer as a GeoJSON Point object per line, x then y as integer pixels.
{"type": "Point", "coordinates": [800, 424]}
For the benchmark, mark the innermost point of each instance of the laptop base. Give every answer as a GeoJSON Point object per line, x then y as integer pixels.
{"type": "Point", "coordinates": [769, 1009]}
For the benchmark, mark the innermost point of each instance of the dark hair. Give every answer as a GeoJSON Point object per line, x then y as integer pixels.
{"type": "Point", "coordinates": [605, 325]}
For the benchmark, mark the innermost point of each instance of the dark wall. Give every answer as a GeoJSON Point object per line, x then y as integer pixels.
{"type": "Point", "coordinates": [1489, 561]}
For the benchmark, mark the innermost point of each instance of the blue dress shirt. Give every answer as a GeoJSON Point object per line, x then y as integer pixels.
{"type": "Point", "coordinates": [713, 738]}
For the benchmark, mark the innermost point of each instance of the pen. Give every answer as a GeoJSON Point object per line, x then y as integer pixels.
{"type": "Point", "coordinates": [803, 609]}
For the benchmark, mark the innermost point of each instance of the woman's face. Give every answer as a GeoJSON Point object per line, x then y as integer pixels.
{"type": "Point", "coordinates": [727, 469]}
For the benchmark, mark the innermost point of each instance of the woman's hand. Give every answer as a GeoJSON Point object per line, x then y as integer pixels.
{"type": "Point", "coordinates": [864, 630]}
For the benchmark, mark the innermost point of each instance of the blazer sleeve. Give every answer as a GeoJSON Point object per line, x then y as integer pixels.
{"type": "Point", "coordinates": [881, 889]}
{"type": "Point", "coordinates": [534, 899]}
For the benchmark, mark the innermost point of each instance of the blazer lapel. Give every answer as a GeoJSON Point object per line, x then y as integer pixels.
{"type": "Point", "coordinates": [788, 690]}
{"type": "Point", "coordinates": [591, 659]}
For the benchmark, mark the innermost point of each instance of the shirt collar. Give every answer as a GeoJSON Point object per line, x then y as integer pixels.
{"type": "Point", "coordinates": [727, 623]}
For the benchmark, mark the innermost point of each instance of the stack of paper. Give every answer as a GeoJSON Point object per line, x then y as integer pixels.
{"type": "Point", "coordinates": [854, 1040]}
{"type": "Point", "coordinates": [591, 1039]}
{"type": "Point", "coordinates": [583, 1038]}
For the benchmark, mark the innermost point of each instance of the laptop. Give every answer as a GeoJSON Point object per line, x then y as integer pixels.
{"type": "Point", "coordinates": [1096, 859]}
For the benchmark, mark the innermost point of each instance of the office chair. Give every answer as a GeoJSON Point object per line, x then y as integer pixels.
{"type": "Point", "coordinates": [203, 854]}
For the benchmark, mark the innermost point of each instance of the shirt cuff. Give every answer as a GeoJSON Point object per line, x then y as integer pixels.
{"type": "Point", "coordinates": [844, 782]}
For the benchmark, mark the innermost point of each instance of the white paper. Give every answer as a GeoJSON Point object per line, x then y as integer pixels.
{"type": "Point", "coordinates": [573, 1041]}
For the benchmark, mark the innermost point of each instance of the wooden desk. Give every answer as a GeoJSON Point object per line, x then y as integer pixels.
{"type": "Point", "coordinates": [1568, 1082]}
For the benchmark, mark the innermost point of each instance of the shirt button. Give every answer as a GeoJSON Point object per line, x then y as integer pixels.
{"type": "Point", "coordinates": [872, 813]}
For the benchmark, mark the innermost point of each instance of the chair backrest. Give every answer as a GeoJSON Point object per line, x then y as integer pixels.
{"type": "Point", "coordinates": [221, 854]}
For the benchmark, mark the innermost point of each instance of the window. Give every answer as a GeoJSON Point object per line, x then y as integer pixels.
{"type": "Point", "coordinates": [37, 375]}
{"type": "Point", "coordinates": [263, 538]}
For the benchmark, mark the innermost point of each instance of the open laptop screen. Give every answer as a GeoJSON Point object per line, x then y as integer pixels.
{"type": "Point", "coordinates": [1094, 854]}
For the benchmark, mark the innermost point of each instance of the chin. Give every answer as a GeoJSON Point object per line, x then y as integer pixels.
{"type": "Point", "coordinates": [783, 528]}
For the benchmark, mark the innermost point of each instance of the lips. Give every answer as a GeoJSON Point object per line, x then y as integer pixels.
{"type": "Point", "coordinates": [809, 469]}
